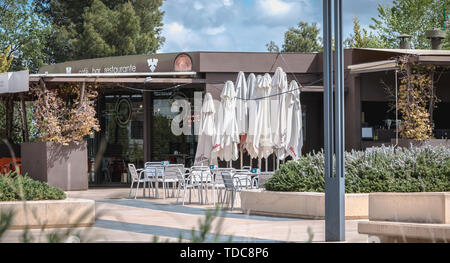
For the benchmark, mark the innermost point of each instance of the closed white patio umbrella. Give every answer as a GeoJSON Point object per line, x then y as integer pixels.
{"type": "Point", "coordinates": [259, 138]}
{"type": "Point", "coordinates": [241, 110]}
{"type": "Point", "coordinates": [226, 139]}
{"type": "Point", "coordinates": [206, 132]}
{"type": "Point", "coordinates": [294, 127]}
{"type": "Point", "coordinates": [264, 138]}
{"type": "Point", "coordinates": [241, 104]}
{"type": "Point", "coordinates": [253, 112]}
{"type": "Point", "coordinates": [278, 113]}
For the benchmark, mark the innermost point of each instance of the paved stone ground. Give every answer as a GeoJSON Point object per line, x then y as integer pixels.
{"type": "Point", "coordinates": [123, 219]}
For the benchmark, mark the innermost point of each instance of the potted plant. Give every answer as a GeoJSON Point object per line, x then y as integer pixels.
{"type": "Point", "coordinates": [64, 116]}
{"type": "Point", "coordinates": [417, 100]}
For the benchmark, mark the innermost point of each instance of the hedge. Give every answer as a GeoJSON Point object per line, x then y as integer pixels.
{"type": "Point", "coordinates": [11, 187]}
{"type": "Point", "coordinates": [378, 169]}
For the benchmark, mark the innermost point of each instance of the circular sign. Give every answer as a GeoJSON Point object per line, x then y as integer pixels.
{"type": "Point", "coordinates": [123, 111]}
{"type": "Point", "coordinates": [183, 63]}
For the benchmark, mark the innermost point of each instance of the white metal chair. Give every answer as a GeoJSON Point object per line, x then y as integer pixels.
{"type": "Point", "coordinates": [141, 178]}
{"type": "Point", "coordinates": [232, 186]}
{"type": "Point", "coordinates": [188, 181]}
{"type": "Point", "coordinates": [171, 175]}
{"type": "Point", "coordinates": [244, 177]}
{"type": "Point", "coordinates": [219, 184]}
{"type": "Point", "coordinates": [155, 174]}
{"type": "Point", "coordinates": [203, 175]}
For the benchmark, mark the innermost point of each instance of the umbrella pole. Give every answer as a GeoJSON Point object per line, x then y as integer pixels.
{"type": "Point", "coordinates": [251, 159]}
{"type": "Point", "coordinates": [259, 164]}
{"type": "Point", "coordinates": [242, 158]}
{"type": "Point", "coordinates": [274, 162]}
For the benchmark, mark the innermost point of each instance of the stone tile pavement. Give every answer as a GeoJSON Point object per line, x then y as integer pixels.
{"type": "Point", "coordinates": [123, 219]}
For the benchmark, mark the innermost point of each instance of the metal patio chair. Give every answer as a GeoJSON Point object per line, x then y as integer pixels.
{"type": "Point", "coordinates": [138, 178]}
{"type": "Point", "coordinates": [171, 176]}
{"type": "Point", "coordinates": [232, 186]}
{"type": "Point", "coordinates": [245, 177]}
{"type": "Point", "coordinates": [155, 174]}
{"type": "Point", "coordinates": [203, 175]}
{"type": "Point", "coordinates": [219, 184]}
{"type": "Point", "coordinates": [188, 181]}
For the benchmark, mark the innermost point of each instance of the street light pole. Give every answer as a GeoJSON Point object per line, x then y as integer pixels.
{"type": "Point", "coordinates": [333, 122]}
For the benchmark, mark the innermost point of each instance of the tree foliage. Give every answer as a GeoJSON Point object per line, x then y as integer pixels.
{"type": "Point", "coordinates": [95, 28]}
{"type": "Point", "coordinates": [304, 38]}
{"type": "Point", "coordinates": [5, 60]}
{"type": "Point", "coordinates": [23, 30]}
{"type": "Point", "coordinates": [415, 95]}
{"type": "Point", "coordinates": [272, 47]}
{"type": "Point", "coordinates": [65, 114]}
{"type": "Point", "coordinates": [412, 17]}
{"type": "Point", "coordinates": [361, 38]}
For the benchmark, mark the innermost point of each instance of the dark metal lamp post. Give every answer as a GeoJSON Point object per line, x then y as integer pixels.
{"type": "Point", "coordinates": [333, 122]}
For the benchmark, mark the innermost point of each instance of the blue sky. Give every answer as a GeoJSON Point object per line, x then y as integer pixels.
{"type": "Point", "coordinates": [247, 25]}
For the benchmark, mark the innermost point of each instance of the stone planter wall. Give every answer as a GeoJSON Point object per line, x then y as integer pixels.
{"type": "Point", "coordinates": [51, 213]}
{"type": "Point", "coordinates": [299, 204]}
{"type": "Point", "coordinates": [410, 207]}
{"type": "Point", "coordinates": [65, 167]}
{"type": "Point", "coordinates": [408, 218]}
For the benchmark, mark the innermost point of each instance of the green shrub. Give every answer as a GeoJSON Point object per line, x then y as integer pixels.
{"type": "Point", "coordinates": [380, 169]}
{"type": "Point", "coordinates": [15, 188]}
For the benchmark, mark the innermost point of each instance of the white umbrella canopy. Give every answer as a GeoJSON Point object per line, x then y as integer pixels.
{"type": "Point", "coordinates": [294, 127]}
{"type": "Point", "coordinates": [241, 103]}
{"type": "Point", "coordinates": [226, 138]}
{"type": "Point", "coordinates": [264, 133]}
{"type": "Point", "coordinates": [241, 111]}
{"type": "Point", "coordinates": [206, 132]}
{"type": "Point", "coordinates": [253, 106]}
{"type": "Point", "coordinates": [278, 112]}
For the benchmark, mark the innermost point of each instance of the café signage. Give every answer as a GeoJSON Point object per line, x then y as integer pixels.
{"type": "Point", "coordinates": [110, 69]}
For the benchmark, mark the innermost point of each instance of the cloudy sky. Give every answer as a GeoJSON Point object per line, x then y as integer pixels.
{"type": "Point", "coordinates": [247, 25]}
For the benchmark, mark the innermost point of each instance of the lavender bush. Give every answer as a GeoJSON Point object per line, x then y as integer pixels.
{"type": "Point", "coordinates": [380, 169]}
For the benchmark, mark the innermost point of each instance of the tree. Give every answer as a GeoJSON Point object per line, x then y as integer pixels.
{"type": "Point", "coordinates": [5, 60]}
{"type": "Point", "coordinates": [65, 114]}
{"type": "Point", "coordinates": [361, 38]}
{"type": "Point", "coordinates": [412, 17]}
{"type": "Point", "coordinates": [23, 30]}
{"type": "Point", "coordinates": [304, 38]}
{"type": "Point", "coordinates": [94, 28]}
{"type": "Point", "coordinates": [272, 47]}
{"type": "Point", "coordinates": [416, 99]}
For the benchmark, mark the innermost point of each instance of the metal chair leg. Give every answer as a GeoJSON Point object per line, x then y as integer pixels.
{"type": "Point", "coordinates": [184, 195]}
{"type": "Point", "coordinates": [131, 188]}
{"type": "Point", "coordinates": [178, 193]}
{"type": "Point", "coordinates": [137, 189]}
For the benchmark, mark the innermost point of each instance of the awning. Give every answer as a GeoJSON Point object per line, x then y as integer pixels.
{"type": "Point", "coordinates": [13, 82]}
{"type": "Point", "coordinates": [137, 77]}
{"type": "Point", "coordinates": [384, 65]}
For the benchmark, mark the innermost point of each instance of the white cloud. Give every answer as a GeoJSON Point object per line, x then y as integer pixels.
{"type": "Point", "coordinates": [198, 5]}
{"type": "Point", "coordinates": [179, 37]}
{"type": "Point", "coordinates": [246, 25]}
{"type": "Point", "coordinates": [228, 2]}
{"type": "Point", "coordinates": [275, 7]}
{"type": "Point", "coordinates": [214, 30]}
